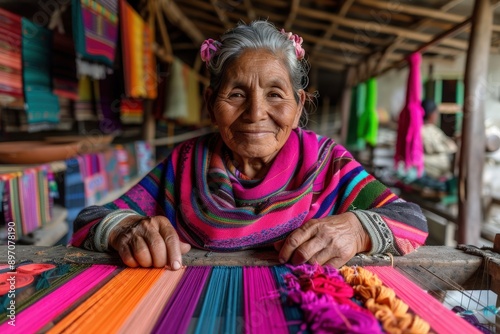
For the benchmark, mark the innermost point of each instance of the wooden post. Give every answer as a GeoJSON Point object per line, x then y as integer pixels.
{"type": "Point", "coordinates": [473, 131]}
{"type": "Point", "coordinates": [345, 104]}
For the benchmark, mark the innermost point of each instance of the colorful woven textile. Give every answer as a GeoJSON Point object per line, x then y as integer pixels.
{"type": "Point", "coordinates": [95, 29]}
{"type": "Point", "coordinates": [11, 82]}
{"type": "Point", "coordinates": [26, 199]}
{"type": "Point", "coordinates": [409, 147]}
{"type": "Point", "coordinates": [42, 106]}
{"type": "Point", "coordinates": [311, 177]}
{"type": "Point", "coordinates": [139, 64]}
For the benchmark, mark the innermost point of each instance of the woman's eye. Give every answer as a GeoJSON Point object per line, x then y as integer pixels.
{"type": "Point", "coordinates": [236, 95]}
{"type": "Point", "coordinates": [274, 95]}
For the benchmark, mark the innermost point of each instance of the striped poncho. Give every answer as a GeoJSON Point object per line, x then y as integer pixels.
{"type": "Point", "coordinates": [212, 208]}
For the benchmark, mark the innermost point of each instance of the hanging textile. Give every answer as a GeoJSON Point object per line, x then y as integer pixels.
{"type": "Point", "coordinates": [409, 147]}
{"type": "Point", "coordinates": [11, 82]}
{"type": "Point", "coordinates": [131, 110]}
{"type": "Point", "coordinates": [368, 122]}
{"type": "Point", "coordinates": [107, 103]}
{"type": "Point", "coordinates": [64, 79]}
{"type": "Point", "coordinates": [358, 97]}
{"type": "Point", "coordinates": [193, 97]}
{"type": "Point", "coordinates": [95, 32]}
{"type": "Point", "coordinates": [42, 106]}
{"type": "Point", "coordinates": [176, 106]}
{"type": "Point", "coordinates": [84, 106]}
{"type": "Point", "coordinates": [139, 65]}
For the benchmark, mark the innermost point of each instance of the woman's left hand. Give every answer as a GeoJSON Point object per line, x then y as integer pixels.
{"type": "Point", "coordinates": [330, 240]}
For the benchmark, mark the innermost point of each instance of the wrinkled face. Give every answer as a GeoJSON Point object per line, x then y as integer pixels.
{"type": "Point", "coordinates": [255, 109]}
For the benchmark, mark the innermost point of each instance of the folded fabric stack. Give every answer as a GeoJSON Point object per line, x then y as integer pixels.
{"type": "Point", "coordinates": [11, 81]}
{"type": "Point", "coordinates": [42, 106]}
{"type": "Point", "coordinates": [26, 199]}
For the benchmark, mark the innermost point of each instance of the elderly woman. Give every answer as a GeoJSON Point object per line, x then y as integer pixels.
{"type": "Point", "coordinates": [260, 181]}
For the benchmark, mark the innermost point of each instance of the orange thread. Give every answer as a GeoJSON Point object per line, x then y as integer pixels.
{"type": "Point", "coordinates": [147, 312]}
{"type": "Point", "coordinates": [108, 308]}
{"type": "Point", "coordinates": [391, 311]}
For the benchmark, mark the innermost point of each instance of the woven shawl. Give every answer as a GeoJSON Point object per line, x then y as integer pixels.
{"type": "Point", "coordinates": [311, 177]}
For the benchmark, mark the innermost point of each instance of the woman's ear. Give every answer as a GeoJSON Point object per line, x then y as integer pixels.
{"type": "Point", "coordinates": [300, 108]}
{"type": "Point", "coordinates": [208, 103]}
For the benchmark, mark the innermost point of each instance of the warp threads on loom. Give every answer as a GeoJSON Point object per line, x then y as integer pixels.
{"type": "Point", "coordinates": [262, 307]}
{"type": "Point", "coordinates": [147, 312]}
{"type": "Point", "coordinates": [440, 319]}
{"type": "Point", "coordinates": [221, 305]}
{"type": "Point", "coordinates": [177, 314]}
{"type": "Point", "coordinates": [108, 308]}
{"type": "Point", "coordinates": [392, 312]}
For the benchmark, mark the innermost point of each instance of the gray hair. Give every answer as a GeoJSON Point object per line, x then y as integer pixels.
{"type": "Point", "coordinates": [259, 35]}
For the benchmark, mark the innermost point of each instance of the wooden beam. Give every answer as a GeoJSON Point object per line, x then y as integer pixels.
{"type": "Point", "coordinates": [333, 26]}
{"type": "Point", "coordinates": [380, 28]}
{"type": "Point", "coordinates": [331, 66]}
{"type": "Point", "coordinates": [177, 17]}
{"type": "Point", "coordinates": [292, 15]}
{"type": "Point", "coordinates": [471, 163]}
{"type": "Point", "coordinates": [398, 41]}
{"type": "Point", "coordinates": [335, 44]}
{"type": "Point", "coordinates": [432, 13]}
{"type": "Point", "coordinates": [250, 11]}
{"type": "Point", "coordinates": [221, 14]}
{"type": "Point", "coordinates": [424, 12]}
{"type": "Point", "coordinates": [455, 30]}
{"type": "Point", "coordinates": [163, 27]}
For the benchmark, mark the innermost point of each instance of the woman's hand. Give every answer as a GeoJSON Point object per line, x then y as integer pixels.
{"type": "Point", "coordinates": [151, 241]}
{"type": "Point", "coordinates": [331, 240]}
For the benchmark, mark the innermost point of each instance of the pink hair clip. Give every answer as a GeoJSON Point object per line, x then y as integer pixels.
{"type": "Point", "coordinates": [297, 43]}
{"type": "Point", "coordinates": [208, 48]}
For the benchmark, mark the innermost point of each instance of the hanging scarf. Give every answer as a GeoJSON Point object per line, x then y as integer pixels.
{"type": "Point", "coordinates": [409, 147]}
{"type": "Point", "coordinates": [355, 143]}
{"type": "Point", "coordinates": [368, 122]}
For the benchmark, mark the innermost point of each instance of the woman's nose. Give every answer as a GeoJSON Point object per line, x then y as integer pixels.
{"type": "Point", "coordinates": [256, 109]}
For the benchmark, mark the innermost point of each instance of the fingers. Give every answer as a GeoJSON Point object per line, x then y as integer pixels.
{"type": "Point", "coordinates": [185, 247]}
{"type": "Point", "coordinates": [296, 239]}
{"type": "Point", "coordinates": [152, 241]}
{"type": "Point", "coordinates": [278, 245]}
{"type": "Point", "coordinates": [173, 245]}
{"type": "Point", "coordinates": [126, 255]}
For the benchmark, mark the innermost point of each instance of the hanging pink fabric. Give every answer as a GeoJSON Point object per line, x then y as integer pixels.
{"type": "Point", "coordinates": [409, 147]}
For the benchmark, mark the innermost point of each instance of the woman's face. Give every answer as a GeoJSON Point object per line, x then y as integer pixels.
{"type": "Point", "coordinates": [255, 109]}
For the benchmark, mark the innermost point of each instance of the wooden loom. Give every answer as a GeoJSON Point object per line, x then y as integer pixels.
{"type": "Point", "coordinates": [436, 269]}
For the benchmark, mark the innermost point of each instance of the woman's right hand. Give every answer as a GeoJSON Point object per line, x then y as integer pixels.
{"type": "Point", "coordinates": [151, 241]}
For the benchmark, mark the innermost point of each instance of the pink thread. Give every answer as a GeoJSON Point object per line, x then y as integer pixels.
{"type": "Point", "coordinates": [325, 299]}
{"type": "Point", "coordinates": [297, 43]}
{"type": "Point", "coordinates": [36, 316]}
{"type": "Point", "coordinates": [263, 314]}
{"type": "Point", "coordinates": [427, 307]}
